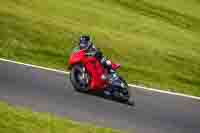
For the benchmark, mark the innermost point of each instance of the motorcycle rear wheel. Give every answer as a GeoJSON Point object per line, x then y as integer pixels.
{"type": "Point", "coordinates": [126, 98]}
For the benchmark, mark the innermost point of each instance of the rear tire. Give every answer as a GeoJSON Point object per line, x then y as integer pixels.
{"type": "Point", "coordinates": [128, 98]}
{"type": "Point", "coordinates": [74, 79]}
{"type": "Point", "coordinates": [131, 101]}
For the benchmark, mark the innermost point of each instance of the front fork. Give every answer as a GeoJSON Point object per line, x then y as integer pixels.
{"type": "Point", "coordinates": [85, 75]}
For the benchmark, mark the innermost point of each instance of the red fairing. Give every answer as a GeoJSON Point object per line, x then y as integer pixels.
{"type": "Point", "coordinates": [94, 68]}
{"type": "Point", "coordinates": [77, 57]}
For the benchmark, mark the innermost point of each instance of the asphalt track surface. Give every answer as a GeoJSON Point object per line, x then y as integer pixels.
{"type": "Point", "coordinates": [48, 91]}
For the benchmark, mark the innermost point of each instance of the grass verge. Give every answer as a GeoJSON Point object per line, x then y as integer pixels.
{"type": "Point", "coordinates": [18, 120]}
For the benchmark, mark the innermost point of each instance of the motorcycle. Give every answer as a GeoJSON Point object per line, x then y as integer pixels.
{"type": "Point", "coordinates": [87, 74]}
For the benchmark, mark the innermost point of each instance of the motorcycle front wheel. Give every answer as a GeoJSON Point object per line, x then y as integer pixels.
{"type": "Point", "coordinates": [79, 78]}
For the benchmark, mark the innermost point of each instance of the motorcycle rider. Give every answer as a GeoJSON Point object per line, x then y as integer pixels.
{"type": "Point", "coordinates": [86, 43]}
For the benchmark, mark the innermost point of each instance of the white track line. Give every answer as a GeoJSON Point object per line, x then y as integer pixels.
{"type": "Point", "coordinates": [164, 92]}
{"type": "Point", "coordinates": [34, 66]}
{"type": "Point", "coordinates": [132, 85]}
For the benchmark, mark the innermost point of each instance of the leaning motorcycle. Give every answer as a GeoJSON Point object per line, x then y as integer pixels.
{"type": "Point", "coordinates": [87, 74]}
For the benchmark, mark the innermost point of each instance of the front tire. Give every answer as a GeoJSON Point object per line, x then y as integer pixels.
{"type": "Point", "coordinates": [80, 85]}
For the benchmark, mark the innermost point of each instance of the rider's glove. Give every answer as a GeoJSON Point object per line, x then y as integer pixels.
{"type": "Point", "coordinates": [99, 54]}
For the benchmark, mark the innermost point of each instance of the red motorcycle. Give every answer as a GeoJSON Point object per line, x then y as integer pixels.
{"type": "Point", "coordinates": [89, 75]}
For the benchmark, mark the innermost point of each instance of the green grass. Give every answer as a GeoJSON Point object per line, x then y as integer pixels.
{"type": "Point", "coordinates": [14, 120]}
{"type": "Point", "coordinates": [156, 41]}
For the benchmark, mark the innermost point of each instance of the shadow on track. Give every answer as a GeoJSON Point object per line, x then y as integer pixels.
{"type": "Point", "coordinates": [102, 95]}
